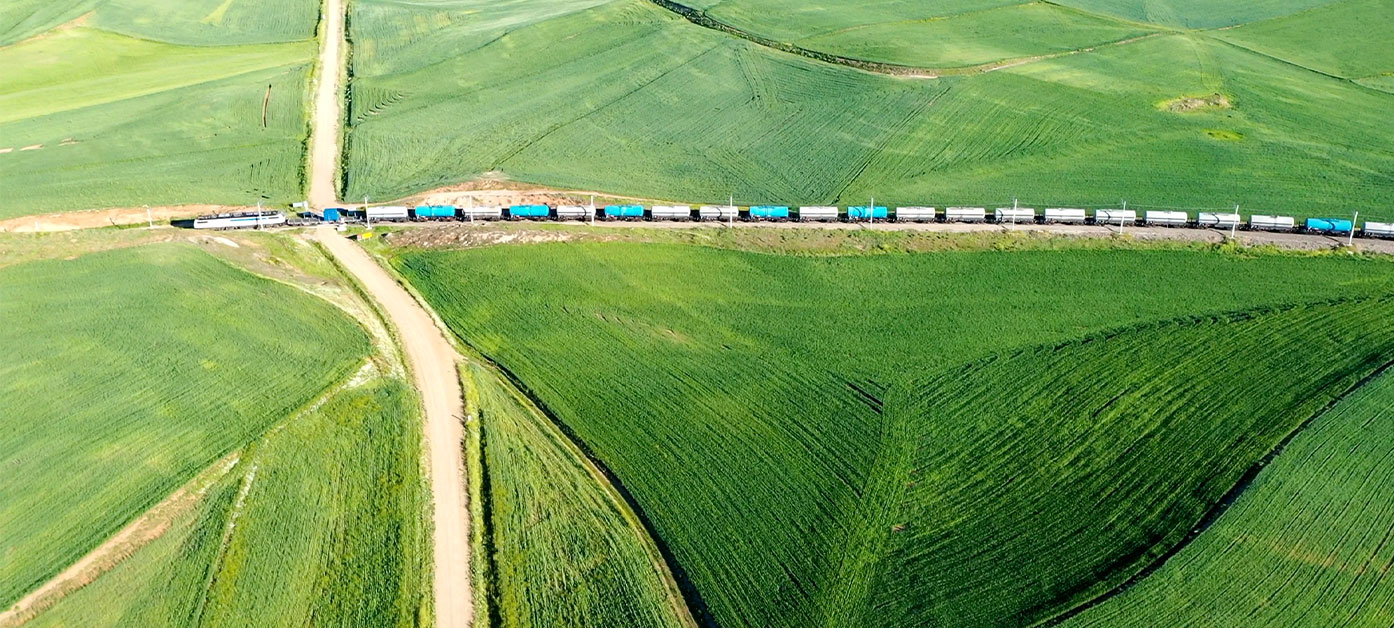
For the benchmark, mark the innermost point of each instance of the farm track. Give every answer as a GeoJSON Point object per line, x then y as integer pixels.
{"type": "Point", "coordinates": [141, 531]}
{"type": "Point", "coordinates": [433, 363]}
{"type": "Point", "coordinates": [700, 18]}
{"type": "Point", "coordinates": [327, 112]}
{"type": "Point", "coordinates": [1218, 510]}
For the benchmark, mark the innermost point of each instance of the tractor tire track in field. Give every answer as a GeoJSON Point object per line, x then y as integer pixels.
{"type": "Point", "coordinates": [1221, 506]}
{"type": "Point", "coordinates": [432, 360]}
{"type": "Point", "coordinates": [141, 531]}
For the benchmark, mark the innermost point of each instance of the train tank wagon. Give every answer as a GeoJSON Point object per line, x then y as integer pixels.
{"type": "Point", "coordinates": [1015, 215]}
{"type": "Point", "coordinates": [1272, 223]}
{"type": "Point", "coordinates": [768, 213]}
{"type": "Point", "coordinates": [671, 212]}
{"type": "Point", "coordinates": [386, 213]}
{"type": "Point", "coordinates": [717, 212]}
{"type": "Point", "coordinates": [863, 212]}
{"type": "Point", "coordinates": [529, 212]}
{"type": "Point", "coordinates": [817, 213]}
{"type": "Point", "coordinates": [1155, 218]}
{"type": "Point", "coordinates": [915, 214]}
{"type": "Point", "coordinates": [485, 212]}
{"type": "Point", "coordinates": [1329, 225]}
{"type": "Point", "coordinates": [624, 212]}
{"type": "Point", "coordinates": [1116, 217]}
{"type": "Point", "coordinates": [1218, 220]}
{"type": "Point", "coordinates": [434, 212]}
{"type": "Point", "coordinates": [574, 212]}
{"type": "Point", "coordinates": [1378, 230]}
{"type": "Point", "coordinates": [965, 214]}
{"type": "Point", "coordinates": [1062, 215]}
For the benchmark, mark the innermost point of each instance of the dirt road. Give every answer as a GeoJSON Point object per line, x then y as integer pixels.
{"type": "Point", "coordinates": [324, 140]}
{"type": "Point", "coordinates": [432, 360]}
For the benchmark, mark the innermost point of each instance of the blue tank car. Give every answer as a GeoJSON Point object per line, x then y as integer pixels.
{"type": "Point", "coordinates": [529, 211]}
{"type": "Point", "coordinates": [861, 212]}
{"type": "Point", "coordinates": [1329, 225]}
{"type": "Point", "coordinates": [332, 214]}
{"type": "Point", "coordinates": [434, 211]}
{"type": "Point", "coordinates": [624, 211]}
{"type": "Point", "coordinates": [769, 212]}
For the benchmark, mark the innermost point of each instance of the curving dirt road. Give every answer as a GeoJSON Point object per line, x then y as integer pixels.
{"type": "Point", "coordinates": [324, 139]}
{"type": "Point", "coordinates": [433, 365]}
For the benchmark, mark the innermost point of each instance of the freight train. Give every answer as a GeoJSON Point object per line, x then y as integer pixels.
{"type": "Point", "coordinates": [820, 213]}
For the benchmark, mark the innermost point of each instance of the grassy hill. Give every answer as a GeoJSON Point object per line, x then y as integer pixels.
{"type": "Point", "coordinates": [826, 441]}
{"type": "Point", "coordinates": [125, 103]}
{"type": "Point", "coordinates": [627, 97]}
{"type": "Point", "coordinates": [133, 370]}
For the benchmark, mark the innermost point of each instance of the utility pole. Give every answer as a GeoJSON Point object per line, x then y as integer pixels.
{"type": "Point", "coordinates": [871, 210]}
{"type": "Point", "coordinates": [592, 210]}
{"type": "Point", "coordinates": [258, 215]}
{"type": "Point", "coordinates": [731, 214]}
{"type": "Point", "coordinates": [1350, 237]}
{"type": "Point", "coordinates": [1120, 216]}
{"type": "Point", "coordinates": [1234, 227]}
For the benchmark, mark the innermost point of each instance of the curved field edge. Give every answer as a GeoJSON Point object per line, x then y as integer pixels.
{"type": "Point", "coordinates": [551, 520]}
{"type": "Point", "coordinates": [1152, 430]}
{"type": "Point", "coordinates": [488, 387]}
{"type": "Point", "coordinates": [1313, 532]}
{"type": "Point", "coordinates": [177, 326]}
{"type": "Point", "coordinates": [321, 522]}
{"type": "Point", "coordinates": [541, 290]}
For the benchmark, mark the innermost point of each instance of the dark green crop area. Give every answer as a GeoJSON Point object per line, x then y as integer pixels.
{"type": "Point", "coordinates": [961, 439]}
{"type": "Point", "coordinates": [124, 373]}
{"type": "Point", "coordinates": [1307, 546]}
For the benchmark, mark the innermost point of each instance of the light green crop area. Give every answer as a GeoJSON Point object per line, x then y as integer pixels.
{"type": "Point", "coordinates": [125, 373]}
{"type": "Point", "coordinates": [627, 97]}
{"type": "Point", "coordinates": [824, 442]}
{"type": "Point", "coordinates": [1307, 545]}
{"type": "Point", "coordinates": [321, 523]}
{"type": "Point", "coordinates": [153, 103]}
{"type": "Point", "coordinates": [559, 551]}
{"type": "Point", "coordinates": [1338, 38]}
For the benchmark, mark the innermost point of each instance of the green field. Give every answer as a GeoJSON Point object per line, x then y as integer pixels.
{"type": "Point", "coordinates": [134, 370]}
{"type": "Point", "coordinates": [153, 103]}
{"type": "Point", "coordinates": [560, 551]}
{"type": "Point", "coordinates": [322, 523]}
{"type": "Point", "coordinates": [626, 97]}
{"type": "Point", "coordinates": [766, 412]}
{"type": "Point", "coordinates": [1307, 545]}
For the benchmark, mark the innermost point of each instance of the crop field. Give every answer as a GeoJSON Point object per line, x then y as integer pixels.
{"type": "Point", "coordinates": [321, 523]}
{"type": "Point", "coordinates": [933, 35]}
{"type": "Point", "coordinates": [135, 369]}
{"type": "Point", "coordinates": [124, 103]}
{"type": "Point", "coordinates": [1334, 38]}
{"type": "Point", "coordinates": [560, 553]}
{"type": "Point", "coordinates": [765, 411]}
{"type": "Point", "coordinates": [1307, 545]}
{"type": "Point", "coordinates": [601, 96]}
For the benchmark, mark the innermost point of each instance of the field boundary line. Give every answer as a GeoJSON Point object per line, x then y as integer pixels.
{"type": "Point", "coordinates": [1353, 81]}
{"type": "Point", "coordinates": [1227, 500]}
{"type": "Point", "coordinates": [700, 17]}
{"type": "Point", "coordinates": [144, 529]}
{"type": "Point", "coordinates": [618, 496]}
{"type": "Point", "coordinates": [669, 570]}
